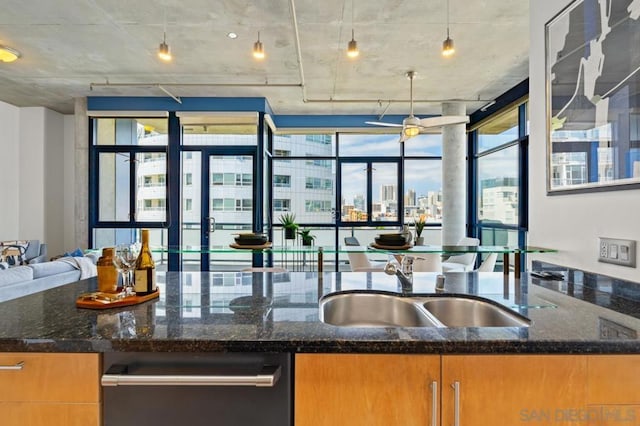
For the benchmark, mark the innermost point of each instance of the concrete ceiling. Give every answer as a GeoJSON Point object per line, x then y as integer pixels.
{"type": "Point", "coordinates": [67, 45]}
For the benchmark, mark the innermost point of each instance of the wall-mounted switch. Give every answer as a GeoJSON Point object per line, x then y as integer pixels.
{"type": "Point", "coordinates": [616, 251]}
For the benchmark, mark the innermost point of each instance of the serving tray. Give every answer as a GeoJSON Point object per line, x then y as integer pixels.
{"type": "Point", "coordinates": [381, 247]}
{"type": "Point", "coordinates": [102, 300]}
{"type": "Point", "coordinates": [250, 247]}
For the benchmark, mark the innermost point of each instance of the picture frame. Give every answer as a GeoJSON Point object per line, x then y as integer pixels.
{"type": "Point", "coordinates": [593, 97]}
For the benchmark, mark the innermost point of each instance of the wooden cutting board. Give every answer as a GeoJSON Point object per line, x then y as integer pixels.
{"type": "Point", "coordinates": [102, 300]}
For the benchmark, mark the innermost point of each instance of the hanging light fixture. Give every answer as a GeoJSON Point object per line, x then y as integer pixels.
{"type": "Point", "coordinates": [163, 51]}
{"type": "Point", "coordinates": [258, 49]}
{"type": "Point", "coordinates": [352, 47]}
{"type": "Point", "coordinates": [447, 46]}
{"type": "Point", "coordinates": [8, 54]}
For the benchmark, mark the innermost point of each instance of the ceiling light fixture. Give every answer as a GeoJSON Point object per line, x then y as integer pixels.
{"type": "Point", "coordinates": [163, 51]}
{"type": "Point", "coordinates": [232, 35]}
{"type": "Point", "coordinates": [352, 47]}
{"type": "Point", "coordinates": [258, 49]}
{"type": "Point", "coordinates": [447, 46]}
{"type": "Point", "coordinates": [8, 54]}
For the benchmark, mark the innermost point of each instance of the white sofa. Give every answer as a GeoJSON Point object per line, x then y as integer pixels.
{"type": "Point", "coordinates": [20, 281]}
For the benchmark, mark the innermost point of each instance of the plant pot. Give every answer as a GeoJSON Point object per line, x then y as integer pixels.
{"type": "Point", "coordinates": [419, 241]}
{"type": "Point", "coordinates": [289, 234]}
{"type": "Point", "coordinates": [307, 243]}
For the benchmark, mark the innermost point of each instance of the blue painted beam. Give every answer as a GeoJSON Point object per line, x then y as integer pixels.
{"type": "Point", "coordinates": [152, 103]}
{"type": "Point", "coordinates": [335, 121]}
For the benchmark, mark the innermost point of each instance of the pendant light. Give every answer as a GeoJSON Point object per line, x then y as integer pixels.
{"type": "Point", "coordinates": [164, 52]}
{"type": "Point", "coordinates": [258, 49]}
{"type": "Point", "coordinates": [447, 46]}
{"type": "Point", "coordinates": [352, 47]}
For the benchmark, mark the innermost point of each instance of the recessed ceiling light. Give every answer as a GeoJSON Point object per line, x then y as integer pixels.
{"type": "Point", "coordinates": [8, 54]}
{"type": "Point", "coordinates": [232, 35]}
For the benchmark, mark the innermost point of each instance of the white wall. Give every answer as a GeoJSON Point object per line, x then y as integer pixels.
{"type": "Point", "coordinates": [570, 223]}
{"type": "Point", "coordinates": [37, 174]}
{"type": "Point", "coordinates": [31, 167]}
{"type": "Point", "coordinates": [54, 184]}
{"type": "Point", "coordinates": [9, 171]}
{"type": "Point", "coordinates": [69, 214]}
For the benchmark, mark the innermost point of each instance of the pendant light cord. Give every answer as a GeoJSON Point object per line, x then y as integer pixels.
{"type": "Point", "coordinates": [447, 18]}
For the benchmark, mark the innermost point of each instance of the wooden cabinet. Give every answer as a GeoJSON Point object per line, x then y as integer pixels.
{"type": "Point", "coordinates": [49, 389]}
{"type": "Point", "coordinates": [512, 389]}
{"type": "Point", "coordinates": [491, 389]}
{"type": "Point", "coordinates": [613, 389]}
{"type": "Point", "coordinates": [365, 390]}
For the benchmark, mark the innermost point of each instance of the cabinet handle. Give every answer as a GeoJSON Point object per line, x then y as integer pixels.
{"type": "Point", "coordinates": [18, 366]}
{"type": "Point", "coordinates": [117, 376]}
{"type": "Point", "coordinates": [434, 403]}
{"type": "Point", "coordinates": [456, 403]}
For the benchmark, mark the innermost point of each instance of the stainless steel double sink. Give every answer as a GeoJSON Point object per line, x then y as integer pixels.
{"type": "Point", "coordinates": [380, 309]}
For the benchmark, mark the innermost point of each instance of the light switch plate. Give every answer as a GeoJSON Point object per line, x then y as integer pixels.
{"type": "Point", "coordinates": [617, 251]}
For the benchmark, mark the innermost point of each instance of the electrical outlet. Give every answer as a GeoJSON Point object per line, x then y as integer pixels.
{"type": "Point", "coordinates": [618, 252]}
{"type": "Point", "coordinates": [604, 252]}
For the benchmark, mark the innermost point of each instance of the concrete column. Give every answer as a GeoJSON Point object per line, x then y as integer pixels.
{"type": "Point", "coordinates": [454, 176]}
{"type": "Point", "coordinates": [81, 186]}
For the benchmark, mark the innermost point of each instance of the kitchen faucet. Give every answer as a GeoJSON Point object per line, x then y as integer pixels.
{"type": "Point", "coordinates": [404, 273]}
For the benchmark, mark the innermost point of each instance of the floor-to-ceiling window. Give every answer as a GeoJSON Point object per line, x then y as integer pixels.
{"type": "Point", "coordinates": [499, 184]}
{"type": "Point", "coordinates": [129, 171]}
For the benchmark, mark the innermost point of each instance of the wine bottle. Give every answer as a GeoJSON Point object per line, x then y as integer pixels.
{"type": "Point", "coordinates": [145, 272]}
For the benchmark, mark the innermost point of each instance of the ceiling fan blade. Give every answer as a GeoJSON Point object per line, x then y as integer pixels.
{"type": "Point", "coordinates": [443, 120]}
{"type": "Point", "coordinates": [381, 123]}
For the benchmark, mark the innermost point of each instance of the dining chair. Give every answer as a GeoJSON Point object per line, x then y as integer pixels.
{"type": "Point", "coordinates": [358, 260]}
{"type": "Point", "coordinates": [462, 262]}
{"type": "Point", "coordinates": [489, 263]}
{"type": "Point", "coordinates": [427, 262]}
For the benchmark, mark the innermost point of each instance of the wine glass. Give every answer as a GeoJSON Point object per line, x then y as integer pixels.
{"type": "Point", "coordinates": [124, 260]}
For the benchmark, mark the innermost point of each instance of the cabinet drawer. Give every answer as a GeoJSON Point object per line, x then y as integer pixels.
{"type": "Point", "coordinates": [49, 414]}
{"type": "Point", "coordinates": [49, 377]}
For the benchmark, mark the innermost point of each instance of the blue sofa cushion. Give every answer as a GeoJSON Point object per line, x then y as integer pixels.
{"type": "Point", "coordinates": [50, 268]}
{"type": "Point", "coordinates": [16, 274]}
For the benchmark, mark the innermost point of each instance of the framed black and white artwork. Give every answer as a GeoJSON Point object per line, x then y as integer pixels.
{"type": "Point", "coordinates": [593, 97]}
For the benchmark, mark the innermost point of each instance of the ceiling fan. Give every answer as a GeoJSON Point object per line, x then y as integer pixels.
{"type": "Point", "coordinates": [412, 125]}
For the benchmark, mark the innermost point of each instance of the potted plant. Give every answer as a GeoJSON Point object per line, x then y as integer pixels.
{"type": "Point", "coordinates": [419, 224]}
{"type": "Point", "coordinates": [288, 221]}
{"type": "Point", "coordinates": [306, 237]}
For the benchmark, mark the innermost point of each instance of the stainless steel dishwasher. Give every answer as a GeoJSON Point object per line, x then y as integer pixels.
{"type": "Point", "coordinates": [224, 389]}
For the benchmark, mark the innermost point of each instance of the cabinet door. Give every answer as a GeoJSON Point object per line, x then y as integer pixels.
{"type": "Point", "coordinates": [49, 389]}
{"type": "Point", "coordinates": [365, 390]}
{"type": "Point", "coordinates": [513, 390]}
{"type": "Point", "coordinates": [614, 389]}
{"type": "Point", "coordinates": [49, 414]}
{"type": "Point", "coordinates": [52, 377]}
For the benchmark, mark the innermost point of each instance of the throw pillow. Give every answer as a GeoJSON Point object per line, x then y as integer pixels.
{"type": "Point", "coordinates": [76, 253]}
{"type": "Point", "coordinates": [13, 252]}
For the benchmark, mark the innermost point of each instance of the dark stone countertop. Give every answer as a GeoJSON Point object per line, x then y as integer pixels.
{"type": "Point", "coordinates": [193, 315]}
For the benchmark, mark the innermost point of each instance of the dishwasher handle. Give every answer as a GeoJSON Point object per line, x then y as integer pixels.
{"type": "Point", "coordinates": [117, 376]}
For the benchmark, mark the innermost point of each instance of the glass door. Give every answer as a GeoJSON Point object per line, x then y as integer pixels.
{"type": "Point", "coordinates": [231, 190]}
{"type": "Point", "coordinates": [218, 193]}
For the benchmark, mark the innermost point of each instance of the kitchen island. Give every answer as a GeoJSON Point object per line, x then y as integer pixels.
{"type": "Point", "coordinates": [195, 313]}
{"type": "Point", "coordinates": [576, 362]}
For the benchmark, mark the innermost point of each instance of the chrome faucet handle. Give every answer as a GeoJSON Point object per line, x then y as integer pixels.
{"type": "Point", "coordinates": [390, 268]}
